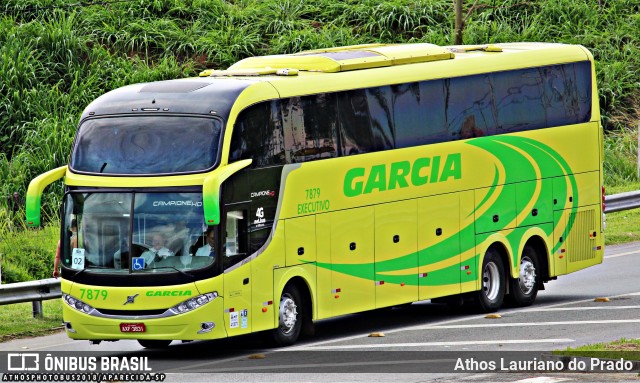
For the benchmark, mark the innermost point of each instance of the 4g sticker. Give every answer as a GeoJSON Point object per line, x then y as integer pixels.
{"type": "Point", "coordinates": [260, 220]}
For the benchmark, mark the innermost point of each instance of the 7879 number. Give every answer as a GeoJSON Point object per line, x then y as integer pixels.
{"type": "Point", "coordinates": [93, 294]}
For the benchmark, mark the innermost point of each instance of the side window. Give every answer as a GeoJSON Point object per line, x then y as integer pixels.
{"type": "Point", "coordinates": [519, 100]}
{"type": "Point", "coordinates": [309, 125]}
{"type": "Point", "coordinates": [564, 94]}
{"type": "Point", "coordinates": [582, 75]}
{"type": "Point", "coordinates": [235, 244]}
{"type": "Point", "coordinates": [470, 108]}
{"type": "Point", "coordinates": [380, 100]}
{"type": "Point", "coordinates": [257, 134]}
{"type": "Point", "coordinates": [410, 114]}
{"type": "Point", "coordinates": [355, 123]}
{"type": "Point", "coordinates": [419, 113]}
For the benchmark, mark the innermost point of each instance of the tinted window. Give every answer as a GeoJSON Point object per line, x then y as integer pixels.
{"type": "Point", "coordinates": [258, 135]}
{"type": "Point", "coordinates": [380, 102]}
{"type": "Point", "coordinates": [470, 108]}
{"type": "Point", "coordinates": [310, 125]}
{"type": "Point", "coordinates": [355, 125]}
{"type": "Point", "coordinates": [146, 145]}
{"type": "Point", "coordinates": [563, 97]}
{"type": "Point", "coordinates": [419, 113]}
{"type": "Point", "coordinates": [519, 100]}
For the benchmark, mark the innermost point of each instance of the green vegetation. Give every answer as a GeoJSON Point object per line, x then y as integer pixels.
{"type": "Point", "coordinates": [629, 349]}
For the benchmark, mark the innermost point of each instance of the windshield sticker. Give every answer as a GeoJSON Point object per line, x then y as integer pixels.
{"type": "Point", "coordinates": [233, 320]}
{"type": "Point", "coordinates": [138, 263]}
{"type": "Point", "coordinates": [77, 259]}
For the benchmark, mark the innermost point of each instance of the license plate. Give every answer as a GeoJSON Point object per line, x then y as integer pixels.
{"type": "Point", "coordinates": [132, 327]}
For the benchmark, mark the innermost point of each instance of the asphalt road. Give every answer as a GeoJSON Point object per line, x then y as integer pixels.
{"type": "Point", "coordinates": [422, 342]}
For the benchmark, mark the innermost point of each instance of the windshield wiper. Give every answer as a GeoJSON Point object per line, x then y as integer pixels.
{"type": "Point", "coordinates": [174, 268]}
{"type": "Point", "coordinates": [89, 268]}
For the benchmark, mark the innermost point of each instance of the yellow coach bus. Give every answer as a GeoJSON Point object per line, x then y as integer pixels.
{"type": "Point", "coordinates": [292, 188]}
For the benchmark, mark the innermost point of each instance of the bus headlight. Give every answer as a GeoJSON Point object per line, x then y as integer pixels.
{"type": "Point", "coordinates": [77, 304]}
{"type": "Point", "coordinates": [194, 303]}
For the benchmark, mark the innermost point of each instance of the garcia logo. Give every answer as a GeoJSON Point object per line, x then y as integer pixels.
{"type": "Point", "coordinates": [401, 174]}
{"type": "Point", "coordinates": [177, 203]}
{"type": "Point", "coordinates": [172, 293]}
{"type": "Point", "coordinates": [263, 193]}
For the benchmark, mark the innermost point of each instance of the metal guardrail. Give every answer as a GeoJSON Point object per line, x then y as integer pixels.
{"type": "Point", "coordinates": [32, 291]}
{"type": "Point", "coordinates": [622, 201]}
{"type": "Point", "coordinates": [37, 291]}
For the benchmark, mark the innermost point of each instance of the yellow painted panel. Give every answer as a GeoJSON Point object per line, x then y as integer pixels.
{"type": "Point", "coordinates": [589, 190]}
{"type": "Point", "coordinates": [438, 241]}
{"type": "Point", "coordinates": [498, 210]}
{"type": "Point", "coordinates": [352, 256]}
{"type": "Point", "coordinates": [237, 300]}
{"type": "Point", "coordinates": [396, 257]}
{"type": "Point", "coordinates": [324, 297]}
{"type": "Point", "coordinates": [468, 255]}
{"type": "Point", "coordinates": [559, 238]}
{"type": "Point", "coordinates": [534, 202]}
{"type": "Point", "coordinates": [300, 234]}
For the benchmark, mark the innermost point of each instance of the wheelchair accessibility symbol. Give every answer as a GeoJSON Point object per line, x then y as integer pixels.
{"type": "Point", "coordinates": [138, 263]}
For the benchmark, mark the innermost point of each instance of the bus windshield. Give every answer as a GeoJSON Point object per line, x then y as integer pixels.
{"type": "Point", "coordinates": [146, 145]}
{"type": "Point", "coordinates": [110, 232]}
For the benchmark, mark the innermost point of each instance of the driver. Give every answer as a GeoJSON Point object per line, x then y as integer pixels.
{"type": "Point", "coordinates": [158, 251]}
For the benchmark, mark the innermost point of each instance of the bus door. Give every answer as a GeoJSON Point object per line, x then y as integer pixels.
{"type": "Point", "coordinates": [237, 272]}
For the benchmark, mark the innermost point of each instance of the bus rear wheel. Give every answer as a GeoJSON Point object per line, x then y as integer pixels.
{"type": "Point", "coordinates": [153, 343]}
{"type": "Point", "coordinates": [524, 289]}
{"type": "Point", "coordinates": [289, 318]}
{"type": "Point", "coordinates": [493, 287]}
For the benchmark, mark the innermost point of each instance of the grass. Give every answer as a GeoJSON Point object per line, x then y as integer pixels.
{"type": "Point", "coordinates": [16, 320]}
{"type": "Point", "coordinates": [28, 254]}
{"type": "Point", "coordinates": [628, 349]}
{"type": "Point", "coordinates": [622, 227]}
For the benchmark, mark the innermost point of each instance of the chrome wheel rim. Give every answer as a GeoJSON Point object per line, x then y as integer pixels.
{"type": "Point", "coordinates": [527, 280]}
{"type": "Point", "coordinates": [288, 314]}
{"type": "Point", "coordinates": [490, 281]}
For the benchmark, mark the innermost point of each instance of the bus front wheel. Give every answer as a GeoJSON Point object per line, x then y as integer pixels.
{"type": "Point", "coordinates": [524, 289]}
{"type": "Point", "coordinates": [289, 318]}
{"type": "Point", "coordinates": [492, 290]}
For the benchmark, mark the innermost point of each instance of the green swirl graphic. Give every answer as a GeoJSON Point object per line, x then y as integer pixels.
{"type": "Point", "coordinates": [508, 151]}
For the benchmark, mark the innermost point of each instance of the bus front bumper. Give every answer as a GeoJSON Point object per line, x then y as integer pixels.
{"type": "Point", "coordinates": [205, 322]}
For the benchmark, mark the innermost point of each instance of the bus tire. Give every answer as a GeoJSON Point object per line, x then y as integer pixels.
{"type": "Point", "coordinates": [524, 289]}
{"type": "Point", "coordinates": [493, 283]}
{"type": "Point", "coordinates": [290, 317]}
{"type": "Point", "coordinates": [153, 343]}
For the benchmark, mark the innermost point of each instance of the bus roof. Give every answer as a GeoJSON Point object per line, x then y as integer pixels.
{"type": "Point", "coordinates": [204, 96]}
{"type": "Point", "coordinates": [361, 66]}
{"type": "Point", "coordinates": [215, 92]}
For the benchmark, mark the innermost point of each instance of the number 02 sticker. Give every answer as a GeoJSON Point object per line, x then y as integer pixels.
{"type": "Point", "coordinates": [77, 259]}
